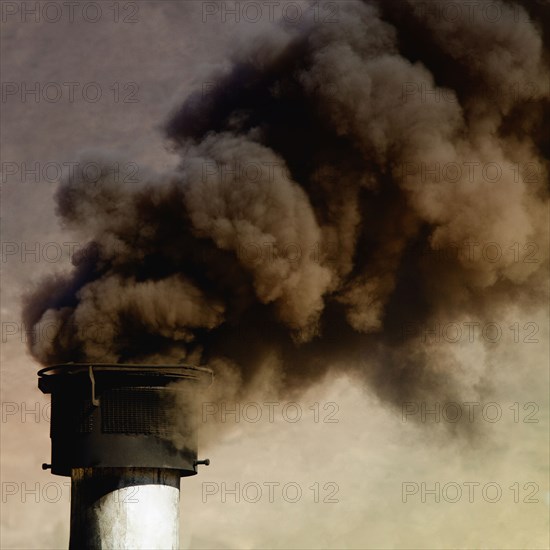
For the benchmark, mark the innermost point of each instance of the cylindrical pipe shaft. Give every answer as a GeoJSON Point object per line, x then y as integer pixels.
{"type": "Point", "coordinates": [124, 508]}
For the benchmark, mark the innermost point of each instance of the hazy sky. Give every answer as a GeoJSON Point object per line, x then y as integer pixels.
{"type": "Point", "coordinates": [144, 59]}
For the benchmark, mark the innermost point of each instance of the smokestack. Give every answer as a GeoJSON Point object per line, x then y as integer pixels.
{"type": "Point", "coordinates": [125, 434]}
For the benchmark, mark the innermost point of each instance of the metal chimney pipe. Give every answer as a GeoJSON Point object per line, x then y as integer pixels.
{"type": "Point", "coordinates": [125, 434]}
{"type": "Point", "coordinates": [124, 508]}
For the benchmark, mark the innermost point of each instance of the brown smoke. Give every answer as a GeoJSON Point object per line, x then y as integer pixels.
{"type": "Point", "coordinates": [294, 232]}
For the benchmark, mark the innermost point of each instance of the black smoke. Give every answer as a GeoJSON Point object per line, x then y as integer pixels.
{"type": "Point", "coordinates": [319, 178]}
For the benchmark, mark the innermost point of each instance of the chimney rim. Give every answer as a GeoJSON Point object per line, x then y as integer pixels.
{"type": "Point", "coordinates": [177, 372]}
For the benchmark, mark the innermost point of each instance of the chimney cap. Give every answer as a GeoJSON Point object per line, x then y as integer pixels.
{"type": "Point", "coordinates": [172, 372]}
{"type": "Point", "coordinates": [107, 415]}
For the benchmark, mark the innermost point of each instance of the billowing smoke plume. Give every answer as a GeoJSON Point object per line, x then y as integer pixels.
{"type": "Point", "coordinates": [318, 176]}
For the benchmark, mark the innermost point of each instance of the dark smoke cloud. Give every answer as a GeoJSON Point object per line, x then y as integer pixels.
{"type": "Point", "coordinates": [292, 236]}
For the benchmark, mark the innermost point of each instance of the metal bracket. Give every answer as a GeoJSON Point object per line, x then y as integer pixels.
{"type": "Point", "coordinates": [205, 462]}
{"type": "Point", "coordinates": [95, 400]}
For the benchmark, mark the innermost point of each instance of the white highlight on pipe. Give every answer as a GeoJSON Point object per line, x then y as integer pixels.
{"type": "Point", "coordinates": [124, 508]}
{"type": "Point", "coordinates": [143, 517]}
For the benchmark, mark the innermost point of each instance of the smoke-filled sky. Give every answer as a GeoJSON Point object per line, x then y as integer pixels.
{"type": "Point", "coordinates": [341, 202]}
